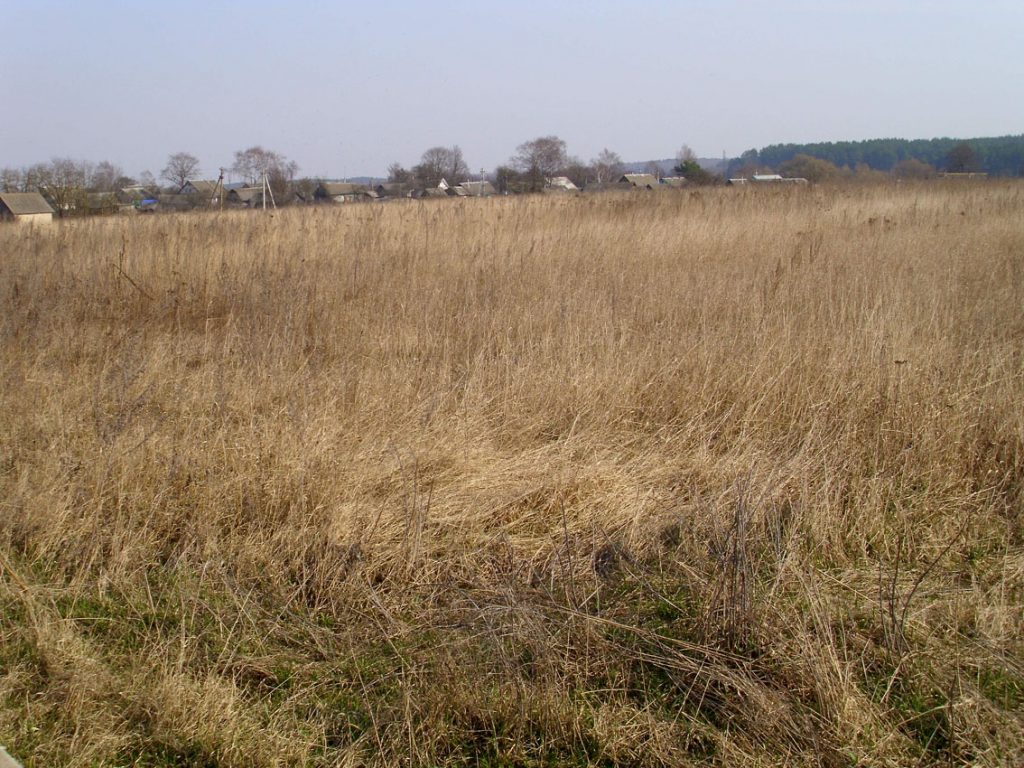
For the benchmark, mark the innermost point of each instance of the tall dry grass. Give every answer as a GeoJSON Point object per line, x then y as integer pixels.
{"type": "Point", "coordinates": [728, 477]}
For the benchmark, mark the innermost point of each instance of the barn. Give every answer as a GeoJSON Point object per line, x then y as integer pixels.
{"type": "Point", "coordinates": [25, 207]}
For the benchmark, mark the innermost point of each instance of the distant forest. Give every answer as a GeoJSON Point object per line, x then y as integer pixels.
{"type": "Point", "coordinates": [998, 156]}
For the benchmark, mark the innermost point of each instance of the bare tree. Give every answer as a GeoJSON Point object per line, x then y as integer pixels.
{"type": "Point", "coordinates": [181, 166]}
{"type": "Point", "coordinates": [147, 180]}
{"type": "Point", "coordinates": [106, 177]}
{"type": "Point", "coordinates": [540, 159]}
{"type": "Point", "coordinates": [252, 163]}
{"type": "Point", "coordinates": [606, 167]}
{"type": "Point", "coordinates": [12, 180]}
{"type": "Point", "coordinates": [35, 177]}
{"type": "Point", "coordinates": [64, 182]}
{"type": "Point", "coordinates": [578, 172]}
{"type": "Point", "coordinates": [441, 163]}
{"type": "Point", "coordinates": [398, 174]}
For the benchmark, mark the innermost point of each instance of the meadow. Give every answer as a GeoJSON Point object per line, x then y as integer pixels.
{"type": "Point", "coordinates": [724, 477]}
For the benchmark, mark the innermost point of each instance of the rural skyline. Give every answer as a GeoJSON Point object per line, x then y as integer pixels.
{"type": "Point", "coordinates": [345, 91]}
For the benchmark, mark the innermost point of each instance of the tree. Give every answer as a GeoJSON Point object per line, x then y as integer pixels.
{"type": "Point", "coordinates": [441, 163]}
{"type": "Point", "coordinates": [606, 167]}
{"type": "Point", "coordinates": [962, 159]}
{"type": "Point", "coordinates": [865, 174]}
{"type": "Point", "coordinates": [540, 159]}
{"type": "Point", "coordinates": [912, 168]}
{"type": "Point", "coordinates": [35, 177]}
{"type": "Point", "coordinates": [181, 166]}
{"type": "Point", "coordinates": [254, 163]}
{"type": "Point", "coordinates": [810, 168]}
{"type": "Point", "coordinates": [105, 177]}
{"type": "Point", "coordinates": [63, 181]}
{"type": "Point", "coordinates": [507, 179]}
{"type": "Point", "coordinates": [576, 171]}
{"type": "Point", "coordinates": [12, 180]}
{"type": "Point", "coordinates": [305, 189]}
{"type": "Point", "coordinates": [397, 174]}
{"type": "Point", "coordinates": [687, 166]}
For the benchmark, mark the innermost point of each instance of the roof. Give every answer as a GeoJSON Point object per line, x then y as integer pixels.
{"type": "Point", "coordinates": [674, 181]}
{"type": "Point", "coordinates": [640, 180]}
{"type": "Point", "coordinates": [338, 188]}
{"type": "Point", "coordinates": [246, 194]}
{"type": "Point", "coordinates": [394, 188]}
{"type": "Point", "coordinates": [766, 177]}
{"type": "Point", "coordinates": [562, 182]}
{"type": "Point", "coordinates": [133, 194]}
{"type": "Point", "coordinates": [477, 188]}
{"type": "Point", "coordinates": [202, 186]}
{"type": "Point", "coordinates": [25, 203]}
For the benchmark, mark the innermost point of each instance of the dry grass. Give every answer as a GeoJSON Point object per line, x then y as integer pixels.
{"type": "Point", "coordinates": [727, 478]}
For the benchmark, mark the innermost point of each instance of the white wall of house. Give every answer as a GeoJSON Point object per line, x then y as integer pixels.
{"type": "Point", "coordinates": [34, 218]}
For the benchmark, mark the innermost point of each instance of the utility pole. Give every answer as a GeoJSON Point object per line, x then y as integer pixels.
{"type": "Point", "coordinates": [267, 191]}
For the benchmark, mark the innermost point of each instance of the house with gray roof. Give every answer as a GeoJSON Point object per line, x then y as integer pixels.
{"type": "Point", "coordinates": [394, 189]}
{"type": "Point", "coordinates": [639, 180]}
{"type": "Point", "coordinates": [560, 184]}
{"type": "Point", "coordinates": [25, 208]}
{"type": "Point", "coordinates": [342, 192]}
{"type": "Point", "coordinates": [206, 190]}
{"type": "Point", "coordinates": [251, 197]}
{"type": "Point", "coordinates": [473, 189]}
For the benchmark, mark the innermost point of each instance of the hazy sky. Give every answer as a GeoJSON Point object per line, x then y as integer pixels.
{"type": "Point", "coordinates": [346, 88]}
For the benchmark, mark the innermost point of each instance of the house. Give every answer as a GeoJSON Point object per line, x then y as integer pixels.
{"type": "Point", "coordinates": [394, 189]}
{"type": "Point", "coordinates": [429, 192]}
{"type": "Point", "coordinates": [207, 190]}
{"type": "Point", "coordinates": [133, 196]}
{"type": "Point", "coordinates": [342, 192]}
{"type": "Point", "coordinates": [101, 203]}
{"type": "Point", "coordinates": [674, 182]}
{"type": "Point", "coordinates": [639, 180]}
{"type": "Point", "coordinates": [25, 207]}
{"type": "Point", "coordinates": [473, 189]}
{"type": "Point", "coordinates": [774, 178]}
{"type": "Point", "coordinates": [250, 197]}
{"type": "Point", "coordinates": [560, 184]}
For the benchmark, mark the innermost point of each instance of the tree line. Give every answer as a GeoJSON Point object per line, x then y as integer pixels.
{"type": "Point", "coordinates": [997, 156]}
{"type": "Point", "coordinates": [68, 182]}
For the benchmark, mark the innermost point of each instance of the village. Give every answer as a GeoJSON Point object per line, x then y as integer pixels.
{"type": "Point", "coordinates": [203, 194]}
{"type": "Point", "coordinates": [42, 206]}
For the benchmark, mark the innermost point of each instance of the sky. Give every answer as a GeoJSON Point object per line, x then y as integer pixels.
{"type": "Point", "coordinates": [347, 88]}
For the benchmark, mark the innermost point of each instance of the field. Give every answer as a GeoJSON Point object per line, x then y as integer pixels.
{"type": "Point", "coordinates": [730, 477]}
